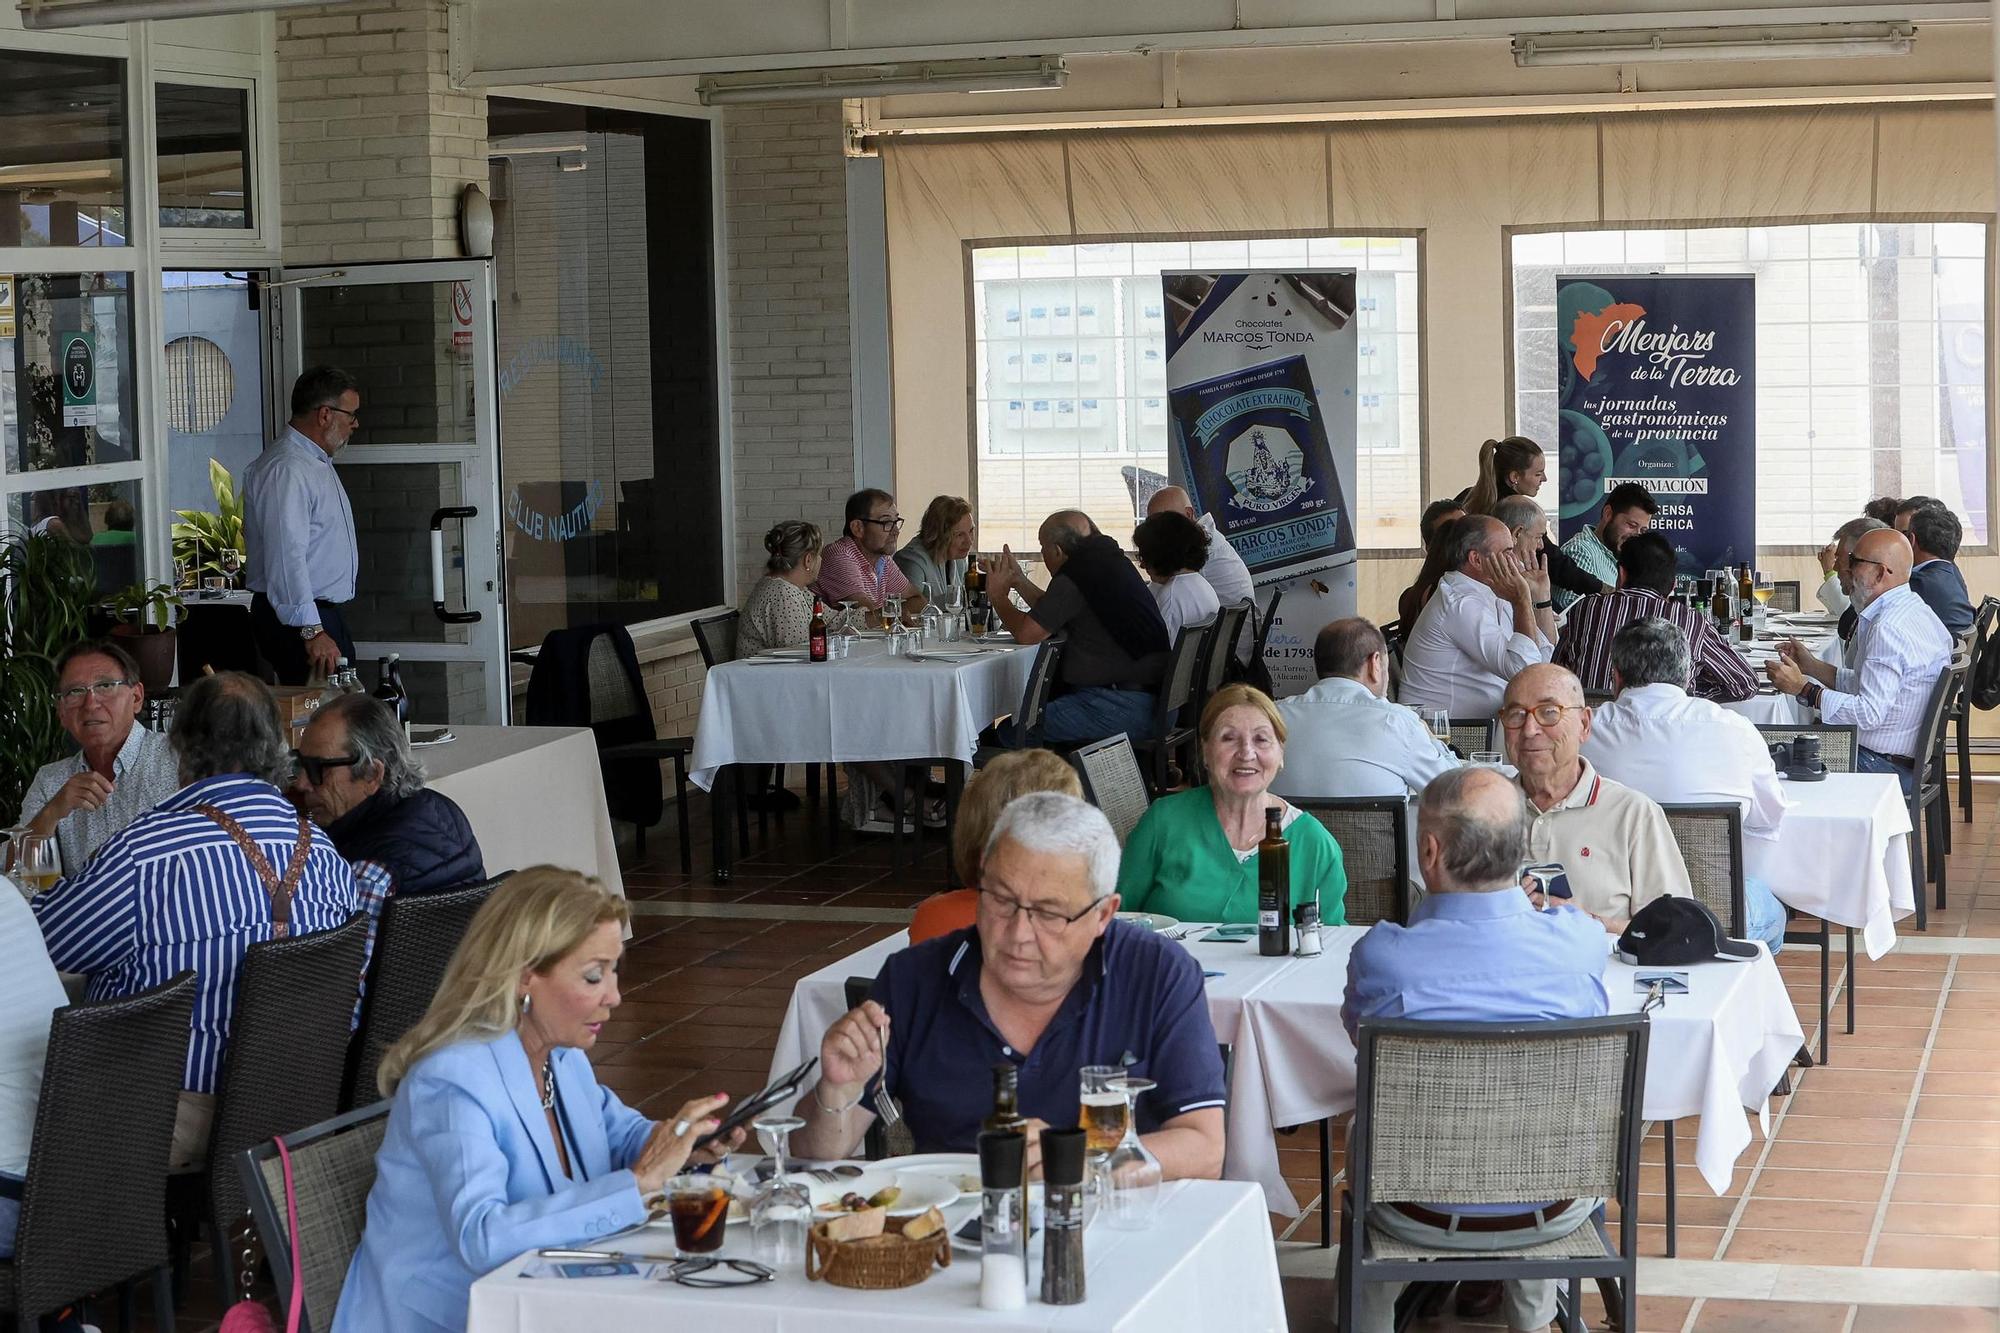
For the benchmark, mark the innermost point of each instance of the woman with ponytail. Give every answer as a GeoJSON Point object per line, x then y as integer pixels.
{"type": "Point", "coordinates": [1516, 466]}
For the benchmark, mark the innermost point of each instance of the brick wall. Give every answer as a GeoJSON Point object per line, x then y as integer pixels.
{"type": "Point", "coordinates": [792, 405]}
{"type": "Point", "coordinates": [374, 144]}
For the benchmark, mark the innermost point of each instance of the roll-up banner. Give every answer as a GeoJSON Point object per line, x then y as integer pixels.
{"type": "Point", "coordinates": [1261, 410]}
{"type": "Point", "coordinates": [1657, 384]}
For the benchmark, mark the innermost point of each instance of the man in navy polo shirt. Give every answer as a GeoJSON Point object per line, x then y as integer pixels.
{"type": "Point", "coordinates": [1046, 980]}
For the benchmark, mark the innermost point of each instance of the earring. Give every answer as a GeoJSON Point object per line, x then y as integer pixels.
{"type": "Point", "coordinates": [525, 997]}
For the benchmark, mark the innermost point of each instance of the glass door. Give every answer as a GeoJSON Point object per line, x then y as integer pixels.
{"type": "Point", "coordinates": [421, 470]}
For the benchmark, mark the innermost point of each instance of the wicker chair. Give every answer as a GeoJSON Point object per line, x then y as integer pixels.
{"type": "Point", "coordinates": [416, 939]}
{"type": "Point", "coordinates": [1961, 707]}
{"type": "Point", "coordinates": [1113, 783]}
{"type": "Point", "coordinates": [1785, 595]}
{"type": "Point", "coordinates": [1469, 735]}
{"type": "Point", "coordinates": [1839, 746]}
{"type": "Point", "coordinates": [333, 1168]}
{"type": "Point", "coordinates": [1457, 1113]}
{"type": "Point", "coordinates": [97, 1171]}
{"type": "Point", "coordinates": [283, 1070]}
{"type": "Point", "coordinates": [1173, 725]}
{"type": "Point", "coordinates": [1373, 833]}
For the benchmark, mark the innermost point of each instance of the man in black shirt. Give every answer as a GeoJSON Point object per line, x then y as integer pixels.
{"type": "Point", "coordinates": [1117, 642]}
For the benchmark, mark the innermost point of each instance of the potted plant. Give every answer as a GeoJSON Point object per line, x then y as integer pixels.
{"type": "Point", "coordinates": [201, 538]}
{"type": "Point", "coordinates": [47, 590]}
{"type": "Point", "coordinates": [146, 615]}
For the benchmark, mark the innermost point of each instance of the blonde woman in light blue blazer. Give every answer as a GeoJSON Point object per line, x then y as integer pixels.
{"type": "Point", "coordinates": [499, 1138]}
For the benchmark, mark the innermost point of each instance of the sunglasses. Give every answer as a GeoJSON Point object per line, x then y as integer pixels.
{"type": "Point", "coordinates": [719, 1273]}
{"type": "Point", "coordinates": [314, 766]}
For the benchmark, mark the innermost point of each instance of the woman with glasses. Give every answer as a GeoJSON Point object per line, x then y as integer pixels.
{"type": "Point", "coordinates": [121, 769]}
{"type": "Point", "coordinates": [1194, 854]}
{"type": "Point", "coordinates": [500, 1138]}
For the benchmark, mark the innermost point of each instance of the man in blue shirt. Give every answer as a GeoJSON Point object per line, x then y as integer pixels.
{"type": "Point", "coordinates": [1477, 950]}
{"type": "Point", "coordinates": [1935, 534]}
{"type": "Point", "coordinates": [1045, 980]}
{"type": "Point", "coordinates": [298, 531]}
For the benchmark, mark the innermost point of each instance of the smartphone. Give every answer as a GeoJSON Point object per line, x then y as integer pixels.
{"type": "Point", "coordinates": [785, 1089]}
{"type": "Point", "coordinates": [1548, 879]}
{"type": "Point", "coordinates": [1670, 983]}
{"type": "Point", "coordinates": [1226, 934]}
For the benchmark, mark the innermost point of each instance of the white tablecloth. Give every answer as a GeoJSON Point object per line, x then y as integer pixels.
{"type": "Point", "coordinates": [1716, 1050]}
{"type": "Point", "coordinates": [534, 796]}
{"type": "Point", "coordinates": [1207, 1263]}
{"type": "Point", "coordinates": [1294, 1065]}
{"type": "Point", "coordinates": [1842, 854]}
{"type": "Point", "coordinates": [870, 706]}
{"type": "Point", "coordinates": [1783, 710]}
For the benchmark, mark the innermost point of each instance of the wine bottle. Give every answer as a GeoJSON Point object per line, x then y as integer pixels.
{"type": "Point", "coordinates": [816, 633]}
{"type": "Point", "coordinates": [1274, 888]}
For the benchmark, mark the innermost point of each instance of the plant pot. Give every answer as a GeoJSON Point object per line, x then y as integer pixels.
{"type": "Point", "coordinates": [153, 648]}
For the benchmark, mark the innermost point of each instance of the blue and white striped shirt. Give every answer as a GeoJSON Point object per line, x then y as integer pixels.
{"type": "Point", "coordinates": [174, 892]}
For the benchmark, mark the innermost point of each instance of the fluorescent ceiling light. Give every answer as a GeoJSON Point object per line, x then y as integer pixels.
{"type": "Point", "coordinates": [86, 13]}
{"type": "Point", "coordinates": [1001, 74]}
{"type": "Point", "coordinates": [1814, 41]}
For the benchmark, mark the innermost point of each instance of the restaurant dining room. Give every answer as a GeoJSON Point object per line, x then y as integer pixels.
{"type": "Point", "coordinates": [897, 664]}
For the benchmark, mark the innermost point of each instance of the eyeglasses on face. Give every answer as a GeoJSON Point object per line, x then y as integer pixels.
{"type": "Point", "coordinates": [1044, 919]}
{"type": "Point", "coordinates": [1854, 560]}
{"type": "Point", "coordinates": [719, 1272]}
{"type": "Point", "coordinates": [892, 522]}
{"type": "Point", "coordinates": [1545, 715]}
{"type": "Point", "coordinates": [74, 695]}
{"type": "Point", "coordinates": [314, 766]}
{"type": "Point", "coordinates": [354, 417]}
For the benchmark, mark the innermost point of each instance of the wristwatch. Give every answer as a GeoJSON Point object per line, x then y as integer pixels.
{"type": "Point", "coordinates": [311, 632]}
{"type": "Point", "coordinates": [1810, 692]}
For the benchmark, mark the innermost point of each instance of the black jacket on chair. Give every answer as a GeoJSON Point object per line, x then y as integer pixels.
{"type": "Point", "coordinates": [559, 695]}
{"type": "Point", "coordinates": [424, 840]}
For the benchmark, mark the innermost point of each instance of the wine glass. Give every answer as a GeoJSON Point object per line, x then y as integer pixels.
{"type": "Point", "coordinates": [781, 1209]}
{"type": "Point", "coordinates": [1439, 721]}
{"type": "Point", "coordinates": [1133, 1173]}
{"type": "Point", "coordinates": [850, 618]}
{"type": "Point", "coordinates": [33, 862]}
{"type": "Point", "coordinates": [892, 612]}
{"type": "Point", "coordinates": [1762, 588]}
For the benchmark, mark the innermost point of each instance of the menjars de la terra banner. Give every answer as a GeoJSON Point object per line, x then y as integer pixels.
{"type": "Point", "coordinates": [1260, 404]}
{"type": "Point", "coordinates": [1658, 385]}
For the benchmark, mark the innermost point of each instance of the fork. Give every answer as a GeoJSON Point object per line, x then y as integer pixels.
{"type": "Point", "coordinates": [896, 1136]}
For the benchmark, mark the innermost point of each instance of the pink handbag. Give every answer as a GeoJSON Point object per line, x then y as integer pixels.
{"type": "Point", "coordinates": [249, 1316]}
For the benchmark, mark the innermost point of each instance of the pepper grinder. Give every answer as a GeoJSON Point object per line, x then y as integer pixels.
{"type": "Point", "coordinates": [1062, 1215]}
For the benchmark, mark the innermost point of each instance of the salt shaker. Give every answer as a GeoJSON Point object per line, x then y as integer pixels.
{"type": "Point", "coordinates": [1305, 921]}
{"type": "Point", "coordinates": [1003, 1227]}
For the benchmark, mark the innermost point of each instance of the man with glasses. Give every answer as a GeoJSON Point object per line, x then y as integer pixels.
{"type": "Point", "coordinates": [298, 532]}
{"type": "Point", "coordinates": [120, 770]}
{"type": "Point", "coordinates": [861, 567]}
{"type": "Point", "coordinates": [1044, 980]}
{"type": "Point", "coordinates": [1593, 844]}
{"type": "Point", "coordinates": [358, 780]}
{"type": "Point", "coordinates": [1899, 648]}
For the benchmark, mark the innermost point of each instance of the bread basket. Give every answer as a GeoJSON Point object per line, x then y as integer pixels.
{"type": "Point", "coordinates": [880, 1263]}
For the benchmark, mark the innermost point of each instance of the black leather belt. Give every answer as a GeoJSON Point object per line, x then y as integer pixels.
{"type": "Point", "coordinates": [1416, 1212]}
{"type": "Point", "coordinates": [1900, 760]}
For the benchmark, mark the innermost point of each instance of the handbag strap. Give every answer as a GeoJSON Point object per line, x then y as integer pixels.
{"type": "Point", "coordinates": [281, 890]}
{"type": "Point", "coordinates": [292, 1227]}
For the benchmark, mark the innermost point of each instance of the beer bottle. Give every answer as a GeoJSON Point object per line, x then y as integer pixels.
{"type": "Point", "coordinates": [816, 633]}
{"type": "Point", "coordinates": [1274, 888]}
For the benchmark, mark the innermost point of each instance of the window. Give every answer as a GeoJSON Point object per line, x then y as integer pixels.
{"type": "Point", "coordinates": [102, 518]}
{"type": "Point", "coordinates": [1070, 406]}
{"type": "Point", "coordinates": [66, 387]}
{"type": "Point", "coordinates": [200, 385]}
{"type": "Point", "coordinates": [62, 150]}
{"type": "Point", "coordinates": [606, 338]}
{"type": "Point", "coordinates": [1871, 357]}
{"type": "Point", "coordinates": [214, 364]}
{"type": "Point", "coordinates": [204, 160]}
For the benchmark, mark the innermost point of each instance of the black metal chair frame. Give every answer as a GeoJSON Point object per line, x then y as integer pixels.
{"type": "Point", "coordinates": [1621, 1263]}
{"type": "Point", "coordinates": [1219, 649]}
{"type": "Point", "coordinates": [268, 1213]}
{"type": "Point", "coordinates": [1961, 709]}
{"type": "Point", "coordinates": [1173, 730]}
{"type": "Point", "coordinates": [1929, 803]}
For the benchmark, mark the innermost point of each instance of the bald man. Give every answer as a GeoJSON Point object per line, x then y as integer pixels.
{"type": "Point", "coordinates": [1595, 845]}
{"type": "Point", "coordinates": [1225, 570]}
{"type": "Point", "coordinates": [1899, 648]}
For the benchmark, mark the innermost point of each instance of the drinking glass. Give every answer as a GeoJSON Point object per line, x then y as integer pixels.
{"type": "Point", "coordinates": [1104, 1112]}
{"type": "Point", "coordinates": [1439, 721]}
{"type": "Point", "coordinates": [1133, 1174]}
{"type": "Point", "coordinates": [782, 1208]}
{"type": "Point", "coordinates": [1488, 759]}
{"type": "Point", "coordinates": [850, 618]}
{"type": "Point", "coordinates": [33, 862]}
{"type": "Point", "coordinates": [699, 1207]}
{"type": "Point", "coordinates": [892, 612]}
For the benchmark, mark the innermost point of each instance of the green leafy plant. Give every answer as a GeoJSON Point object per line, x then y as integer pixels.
{"type": "Point", "coordinates": [200, 537]}
{"type": "Point", "coordinates": [47, 589]}
{"type": "Point", "coordinates": [151, 606]}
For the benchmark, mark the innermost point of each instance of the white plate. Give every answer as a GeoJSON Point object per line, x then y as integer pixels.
{"type": "Point", "coordinates": [786, 654]}
{"type": "Point", "coordinates": [921, 1189]}
{"type": "Point", "coordinates": [1150, 920]}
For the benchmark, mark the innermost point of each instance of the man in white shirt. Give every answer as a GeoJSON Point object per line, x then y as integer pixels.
{"type": "Point", "coordinates": [1835, 594]}
{"type": "Point", "coordinates": [1489, 619]}
{"type": "Point", "coordinates": [29, 993]}
{"type": "Point", "coordinates": [1657, 739]}
{"type": "Point", "coordinates": [1344, 736]}
{"type": "Point", "coordinates": [1899, 648]}
{"type": "Point", "coordinates": [1225, 570]}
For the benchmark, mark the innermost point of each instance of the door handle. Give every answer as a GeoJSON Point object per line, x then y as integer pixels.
{"type": "Point", "coordinates": [437, 565]}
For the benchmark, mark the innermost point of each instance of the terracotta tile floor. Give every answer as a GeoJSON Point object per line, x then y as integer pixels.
{"type": "Point", "coordinates": [1881, 1169]}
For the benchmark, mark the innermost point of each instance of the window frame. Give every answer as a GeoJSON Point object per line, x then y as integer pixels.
{"type": "Point", "coordinates": [1986, 220]}
{"type": "Point", "coordinates": [1419, 235]}
{"type": "Point", "coordinates": [206, 244]}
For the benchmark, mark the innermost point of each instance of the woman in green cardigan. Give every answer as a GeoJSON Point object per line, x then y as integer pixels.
{"type": "Point", "coordinates": [1194, 854]}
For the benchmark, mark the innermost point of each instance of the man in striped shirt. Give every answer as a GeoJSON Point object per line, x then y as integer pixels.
{"type": "Point", "coordinates": [1899, 648]}
{"type": "Point", "coordinates": [1645, 577]}
{"type": "Point", "coordinates": [177, 891]}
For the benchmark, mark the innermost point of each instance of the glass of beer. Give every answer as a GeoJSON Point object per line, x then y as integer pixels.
{"type": "Point", "coordinates": [33, 862]}
{"type": "Point", "coordinates": [699, 1207]}
{"type": "Point", "coordinates": [892, 612]}
{"type": "Point", "coordinates": [1104, 1107]}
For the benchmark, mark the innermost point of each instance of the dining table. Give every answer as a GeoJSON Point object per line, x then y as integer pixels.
{"type": "Point", "coordinates": [1715, 1052]}
{"type": "Point", "coordinates": [533, 795]}
{"type": "Point", "coordinates": [1207, 1262]}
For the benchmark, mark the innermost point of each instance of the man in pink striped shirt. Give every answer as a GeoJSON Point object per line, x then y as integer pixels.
{"type": "Point", "coordinates": [861, 566]}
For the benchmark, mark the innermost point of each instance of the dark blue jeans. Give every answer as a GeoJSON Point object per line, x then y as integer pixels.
{"type": "Point", "coordinates": [1870, 762]}
{"type": "Point", "coordinates": [1094, 712]}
